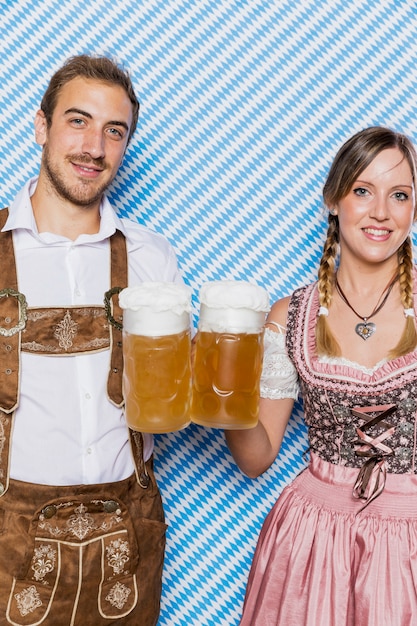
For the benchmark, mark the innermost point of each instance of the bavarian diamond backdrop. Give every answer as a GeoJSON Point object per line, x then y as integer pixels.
{"type": "Point", "coordinates": [243, 106]}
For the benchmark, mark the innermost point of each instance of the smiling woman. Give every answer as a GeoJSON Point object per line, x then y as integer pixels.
{"type": "Point", "coordinates": [351, 514]}
{"type": "Point", "coordinates": [376, 215]}
{"type": "Point", "coordinates": [370, 193]}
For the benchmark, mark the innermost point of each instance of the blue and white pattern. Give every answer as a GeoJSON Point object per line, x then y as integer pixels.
{"type": "Point", "coordinates": [244, 104]}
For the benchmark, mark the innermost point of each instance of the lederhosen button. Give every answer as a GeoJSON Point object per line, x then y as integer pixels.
{"type": "Point", "coordinates": [144, 479]}
{"type": "Point", "coordinates": [110, 506]}
{"type": "Point", "coordinates": [49, 511]}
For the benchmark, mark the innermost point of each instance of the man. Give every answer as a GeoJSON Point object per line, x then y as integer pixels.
{"type": "Point", "coordinates": [82, 530]}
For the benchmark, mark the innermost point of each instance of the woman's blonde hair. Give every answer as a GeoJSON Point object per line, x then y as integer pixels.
{"type": "Point", "coordinates": [354, 157]}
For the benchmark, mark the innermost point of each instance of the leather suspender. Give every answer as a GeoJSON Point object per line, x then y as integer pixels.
{"type": "Point", "coordinates": [12, 314]}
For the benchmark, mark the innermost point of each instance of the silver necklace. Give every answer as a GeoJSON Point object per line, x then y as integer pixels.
{"type": "Point", "coordinates": [366, 329]}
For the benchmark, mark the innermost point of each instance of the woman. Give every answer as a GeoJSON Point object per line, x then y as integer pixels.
{"type": "Point", "coordinates": [339, 548]}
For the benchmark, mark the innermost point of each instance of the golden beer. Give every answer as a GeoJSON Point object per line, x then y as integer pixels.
{"type": "Point", "coordinates": [157, 381]}
{"type": "Point", "coordinates": [227, 370]}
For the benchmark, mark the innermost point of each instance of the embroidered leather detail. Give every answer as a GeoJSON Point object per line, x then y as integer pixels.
{"type": "Point", "coordinates": [118, 595]}
{"type": "Point", "coordinates": [118, 555]}
{"type": "Point", "coordinates": [95, 345]}
{"type": "Point", "coordinates": [43, 561]}
{"type": "Point", "coordinates": [118, 588]}
{"type": "Point", "coordinates": [28, 600]}
{"type": "Point", "coordinates": [79, 524]}
{"type": "Point", "coordinates": [69, 330]}
{"type": "Point", "coordinates": [65, 331]}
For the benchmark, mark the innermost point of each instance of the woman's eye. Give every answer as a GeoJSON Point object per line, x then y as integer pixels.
{"type": "Point", "coordinates": [360, 191]}
{"type": "Point", "coordinates": [401, 195]}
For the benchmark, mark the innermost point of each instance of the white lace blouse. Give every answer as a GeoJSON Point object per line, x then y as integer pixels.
{"type": "Point", "coordinates": [279, 377]}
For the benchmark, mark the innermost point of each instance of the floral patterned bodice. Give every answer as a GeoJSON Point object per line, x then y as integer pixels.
{"type": "Point", "coordinates": [339, 397]}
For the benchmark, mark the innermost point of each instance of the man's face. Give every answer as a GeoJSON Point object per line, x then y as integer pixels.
{"type": "Point", "coordinates": [84, 146]}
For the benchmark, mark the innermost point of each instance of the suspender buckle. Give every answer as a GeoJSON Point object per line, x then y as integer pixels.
{"type": "Point", "coordinates": [107, 307]}
{"type": "Point", "coordinates": [5, 293]}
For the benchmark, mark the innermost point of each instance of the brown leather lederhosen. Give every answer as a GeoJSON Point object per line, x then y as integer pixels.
{"type": "Point", "coordinates": [77, 555]}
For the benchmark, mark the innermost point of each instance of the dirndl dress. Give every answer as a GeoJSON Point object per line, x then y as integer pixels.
{"type": "Point", "coordinates": [339, 547]}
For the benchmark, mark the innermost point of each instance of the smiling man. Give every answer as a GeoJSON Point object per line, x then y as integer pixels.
{"type": "Point", "coordinates": [82, 530]}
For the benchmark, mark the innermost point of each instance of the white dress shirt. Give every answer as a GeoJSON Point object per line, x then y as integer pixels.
{"type": "Point", "coordinates": [66, 430]}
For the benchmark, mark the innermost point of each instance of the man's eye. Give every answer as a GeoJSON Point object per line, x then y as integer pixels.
{"type": "Point", "coordinates": [116, 132]}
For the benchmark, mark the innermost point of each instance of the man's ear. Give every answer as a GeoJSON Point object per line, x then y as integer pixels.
{"type": "Point", "coordinates": [40, 128]}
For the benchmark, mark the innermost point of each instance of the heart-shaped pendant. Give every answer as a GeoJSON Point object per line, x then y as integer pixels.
{"type": "Point", "coordinates": [365, 329]}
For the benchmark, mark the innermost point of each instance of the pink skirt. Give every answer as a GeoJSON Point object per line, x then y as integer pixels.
{"type": "Point", "coordinates": [320, 561]}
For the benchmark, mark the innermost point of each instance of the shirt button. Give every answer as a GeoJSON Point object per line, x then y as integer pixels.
{"type": "Point", "coordinates": [87, 396]}
{"type": "Point", "coordinates": [89, 450]}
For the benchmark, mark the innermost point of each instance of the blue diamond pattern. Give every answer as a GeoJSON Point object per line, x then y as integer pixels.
{"type": "Point", "coordinates": [243, 106]}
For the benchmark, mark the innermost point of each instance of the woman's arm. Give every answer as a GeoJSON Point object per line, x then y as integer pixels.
{"type": "Point", "coordinates": [255, 449]}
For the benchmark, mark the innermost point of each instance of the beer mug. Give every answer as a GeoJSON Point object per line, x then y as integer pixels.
{"type": "Point", "coordinates": [228, 355]}
{"type": "Point", "coordinates": [157, 356]}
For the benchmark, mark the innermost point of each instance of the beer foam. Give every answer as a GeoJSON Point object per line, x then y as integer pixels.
{"type": "Point", "coordinates": [232, 306]}
{"type": "Point", "coordinates": [156, 309]}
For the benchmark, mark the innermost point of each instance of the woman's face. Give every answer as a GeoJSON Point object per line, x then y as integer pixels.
{"type": "Point", "coordinates": [377, 214]}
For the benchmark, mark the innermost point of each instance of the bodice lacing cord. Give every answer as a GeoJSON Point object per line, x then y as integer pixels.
{"type": "Point", "coordinates": [371, 479]}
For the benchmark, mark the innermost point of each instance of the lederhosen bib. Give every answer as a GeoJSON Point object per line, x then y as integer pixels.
{"type": "Point", "coordinates": [90, 553]}
{"type": "Point", "coordinates": [54, 331]}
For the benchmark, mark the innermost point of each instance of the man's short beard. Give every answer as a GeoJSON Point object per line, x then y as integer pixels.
{"type": "Point", "coordinates": [76, 194]}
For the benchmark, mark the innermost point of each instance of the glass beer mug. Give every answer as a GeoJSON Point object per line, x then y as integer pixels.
{"type": "Point", "coordinates": [157, 356]}
{"type": "Point", "coordinates": [228, 355]}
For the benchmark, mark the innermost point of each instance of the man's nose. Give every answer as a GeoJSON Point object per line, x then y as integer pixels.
{"type": "Point", "coordinates": [93, 143]}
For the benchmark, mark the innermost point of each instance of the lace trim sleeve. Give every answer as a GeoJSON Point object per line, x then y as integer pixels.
{"type": "Point", "coordinates": [279, 377]}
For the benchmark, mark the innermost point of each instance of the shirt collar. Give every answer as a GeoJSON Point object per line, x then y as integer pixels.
{"type": "Point", "coordinates": [21, 216]}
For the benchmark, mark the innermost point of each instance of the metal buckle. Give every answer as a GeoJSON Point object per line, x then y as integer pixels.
{"type": "Point", "coordinates": [5, 293]}
{"type": "Point", "coordinates": [107, 307]}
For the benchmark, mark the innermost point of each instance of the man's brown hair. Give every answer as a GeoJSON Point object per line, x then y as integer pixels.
{"type": "Point", "coordinates": [93, 67]}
